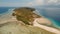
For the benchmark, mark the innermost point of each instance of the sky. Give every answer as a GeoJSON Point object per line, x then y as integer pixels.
{"type": "Point", "coordinates": [18, 3]}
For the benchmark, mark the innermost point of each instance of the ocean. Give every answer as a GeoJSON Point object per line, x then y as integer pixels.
{"type": "Point", "coordinates": [52, 14]}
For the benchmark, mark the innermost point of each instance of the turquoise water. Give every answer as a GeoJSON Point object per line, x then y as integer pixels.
{"type": "Point", "coordinates": [55, 23]}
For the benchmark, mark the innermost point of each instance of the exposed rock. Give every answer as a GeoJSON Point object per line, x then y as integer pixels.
{"type": "Point", "coordinates": [25, 14]}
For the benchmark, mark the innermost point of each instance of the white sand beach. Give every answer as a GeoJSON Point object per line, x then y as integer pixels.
{"type": "Point", "coordinates": [45, 27]}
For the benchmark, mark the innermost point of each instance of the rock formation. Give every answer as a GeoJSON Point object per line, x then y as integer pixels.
{"type": "Point", "coordinates": [25, 14]}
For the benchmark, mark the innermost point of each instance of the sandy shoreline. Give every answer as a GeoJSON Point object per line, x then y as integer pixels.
{"type": "Point", "coordinates": [46, 28]}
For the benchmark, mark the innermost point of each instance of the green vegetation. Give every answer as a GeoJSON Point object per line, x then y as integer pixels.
{"type": "Point", "coordinates": [19, 18]}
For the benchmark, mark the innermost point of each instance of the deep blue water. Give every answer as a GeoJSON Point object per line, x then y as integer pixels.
{"type": "Point", "coordinates": [4, 9]}
{"type": "Point", "coordinates": [52, 14]}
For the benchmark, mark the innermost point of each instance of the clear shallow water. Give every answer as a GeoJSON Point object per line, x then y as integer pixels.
{"type": "Point", "coordinates": [53, 15]}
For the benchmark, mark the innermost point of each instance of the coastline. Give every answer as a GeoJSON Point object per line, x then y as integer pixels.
{"type": "Point", "coordinates": [54, 30]}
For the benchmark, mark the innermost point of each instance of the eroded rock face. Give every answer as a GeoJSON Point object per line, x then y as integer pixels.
{"type": "Point", "coordinates": [14, 27]}
{"type": "Point", "coordinates": [25, 14]}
